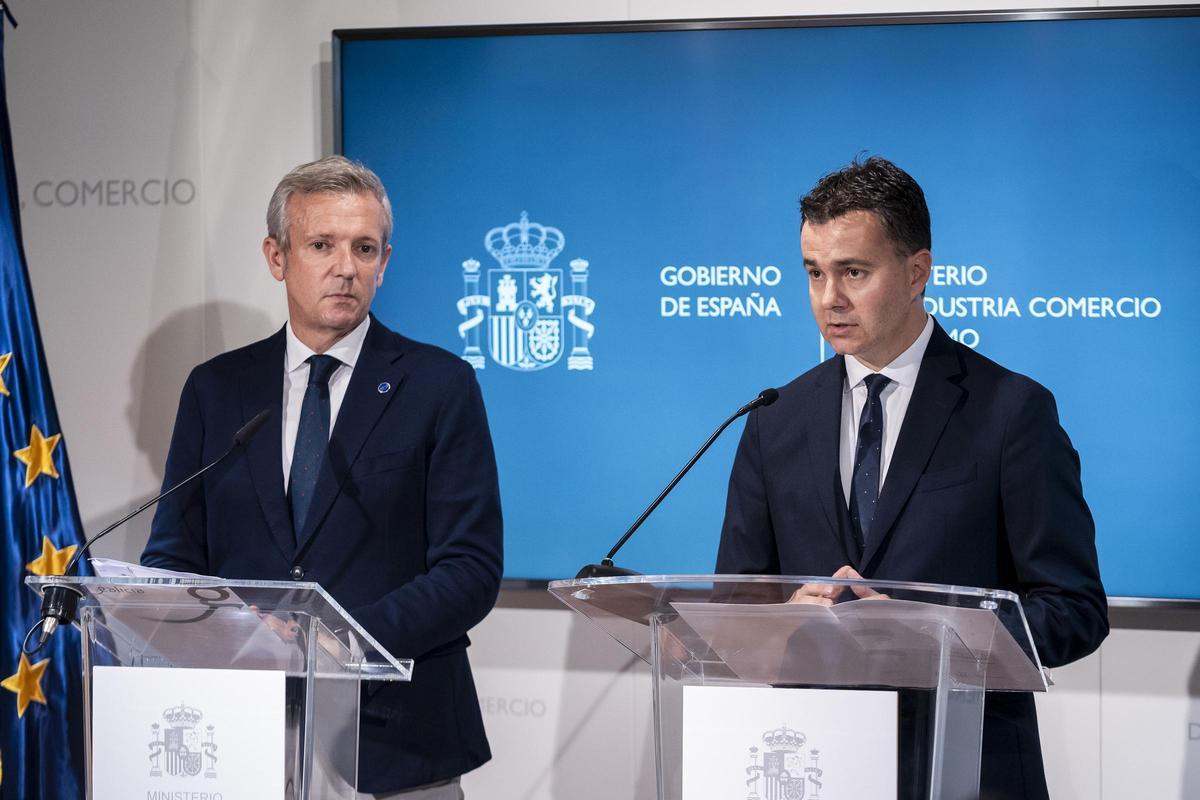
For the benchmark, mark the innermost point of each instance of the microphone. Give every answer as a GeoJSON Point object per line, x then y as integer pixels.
{"type": "Point", "coordinates": [60, 602]}
{"type": "Point", "coordinates": [606, 569]}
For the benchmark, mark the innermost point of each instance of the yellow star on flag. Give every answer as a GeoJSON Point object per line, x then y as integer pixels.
{"type": "Point", "coordinates": [52, 561]}
{"type": "Point", "coordinates": [38, 457]}
{"type": "Point", "coordinates": [27, 683]}
{"type": "Point", "coordinates": [4, 359]}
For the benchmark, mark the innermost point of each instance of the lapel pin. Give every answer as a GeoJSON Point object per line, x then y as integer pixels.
{"type": "Point", "coordinates": [384, 387]}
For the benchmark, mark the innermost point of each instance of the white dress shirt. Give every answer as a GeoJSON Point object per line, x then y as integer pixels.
{"type": "Point", "coordinates": [895, 396]}
{"type": "Point", "coordinates": [295, 382]}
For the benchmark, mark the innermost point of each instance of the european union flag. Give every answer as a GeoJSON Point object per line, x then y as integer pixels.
{"type": "Point", "coordinates": [41, 713]}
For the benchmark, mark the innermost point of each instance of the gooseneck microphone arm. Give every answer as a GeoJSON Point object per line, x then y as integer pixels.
{"type": "Point", "coordinates": [606, 568]}
{"type": "Point", "coordinates": [60, 602]}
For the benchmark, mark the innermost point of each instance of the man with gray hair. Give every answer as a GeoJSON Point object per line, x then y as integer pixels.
{"type": "Point", "coordinates": [374, 476]}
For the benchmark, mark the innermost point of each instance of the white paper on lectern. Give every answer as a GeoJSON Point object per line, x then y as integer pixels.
{"type": "Point", "coordinates": [751, 742]}
{"type": "Point", "coordinates": [113, 568]}
{"type": "Point", "coordinates": [185, 731]}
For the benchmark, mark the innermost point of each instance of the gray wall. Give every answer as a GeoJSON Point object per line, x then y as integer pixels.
{"type": "Point", "coordinates": [113, 101]}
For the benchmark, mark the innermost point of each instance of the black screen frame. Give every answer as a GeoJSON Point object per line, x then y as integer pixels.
{"type": "Point", "coordinates": [340, 36]}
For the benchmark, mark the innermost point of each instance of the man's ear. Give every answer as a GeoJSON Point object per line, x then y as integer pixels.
{"type": "Point", "coordinates": [276, 258]}
{"type": "Point", "coordinates": [383, 262]}
{"type": "Point", "coordinates": [919, 264]}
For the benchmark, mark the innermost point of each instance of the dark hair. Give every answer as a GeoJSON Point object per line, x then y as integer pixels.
{"type": "Point", "coordinates": [879, 186]}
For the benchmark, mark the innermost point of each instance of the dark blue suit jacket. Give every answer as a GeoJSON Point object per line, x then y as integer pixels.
{"type": "Point", "coordinates": [983, 490]}
{"type": "Point", "coordinates": [404, 528]}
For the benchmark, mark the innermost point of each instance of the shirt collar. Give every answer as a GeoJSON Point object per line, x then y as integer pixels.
{"type": "Point", "coordinates": [345, 350]}
{"type": "Point", "coordinates": [904, 367]}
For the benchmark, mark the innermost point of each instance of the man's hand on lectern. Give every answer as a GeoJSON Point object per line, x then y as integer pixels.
{"type": "Point", "coordinates": [826, 594]}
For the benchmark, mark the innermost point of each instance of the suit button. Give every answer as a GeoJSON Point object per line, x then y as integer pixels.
{"type": "Point", "coordinates": [297, 573]}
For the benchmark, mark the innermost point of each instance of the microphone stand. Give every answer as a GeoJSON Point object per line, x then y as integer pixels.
{"type": "Point", "coordinates": [60, 602]}
{"type": "Point", "coordinates": [606, 568]}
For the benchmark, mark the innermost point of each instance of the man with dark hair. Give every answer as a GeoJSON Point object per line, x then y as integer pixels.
{"type": "Point", "coordinates": [374, 476]}
{"type": "Point", "coordinates": [910, 457]}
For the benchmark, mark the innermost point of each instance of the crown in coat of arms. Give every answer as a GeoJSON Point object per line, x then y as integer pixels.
{"type": "Point", "coordinates": [784, 738]}
{"type": "Point", "coordinates": [182, 716]}
{"type": "Point", "coordinates": [524, 243]}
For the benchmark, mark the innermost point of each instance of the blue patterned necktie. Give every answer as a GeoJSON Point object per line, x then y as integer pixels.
{"type": "Point", "coordinates": [864, 486]}
{"type": "Point", "coordinates": [312, 438]}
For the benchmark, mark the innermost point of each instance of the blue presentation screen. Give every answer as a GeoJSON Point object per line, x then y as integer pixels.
{"type": "Point", "coordinates": [605, 224]}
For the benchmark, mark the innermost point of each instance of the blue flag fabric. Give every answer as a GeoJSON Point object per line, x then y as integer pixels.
{"type": "Point", "coordinates": [41, 711]}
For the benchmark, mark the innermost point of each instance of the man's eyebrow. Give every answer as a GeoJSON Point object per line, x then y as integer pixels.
{"type": "Point", "coordinates": [327, 235]}
{"type": "Point", "coordinates": [841, 262]}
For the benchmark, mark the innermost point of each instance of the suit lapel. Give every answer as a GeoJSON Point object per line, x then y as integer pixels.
{"type": "Point", "coordinates": [361, 408]}
{"type": "Point", "coordinates": [933, 400]}
{"type": "Point", "coordinates": [824, 452]}
{"type": "Point", "coordinates": [262, 387]}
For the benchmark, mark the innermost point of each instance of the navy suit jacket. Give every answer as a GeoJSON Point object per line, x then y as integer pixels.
{"type": "Point", "coordinates": [404, 529]}
{"type": "Point", "coordinates": [983, 490]}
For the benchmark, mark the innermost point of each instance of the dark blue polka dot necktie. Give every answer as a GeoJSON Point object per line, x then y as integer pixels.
{"type": "Point", "coordinates": [864, 486]}
{"type": "Point", "coordinates": [312, 438]}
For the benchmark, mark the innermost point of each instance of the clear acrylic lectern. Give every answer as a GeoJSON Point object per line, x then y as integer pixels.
{"type": "Point", "coordinates": [296, 630]}
{"type": "Point", "coordinates": [948, 644]}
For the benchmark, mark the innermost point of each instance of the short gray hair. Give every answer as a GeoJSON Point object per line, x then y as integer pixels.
{"type": "Point", "coordinates": [333, 174]}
